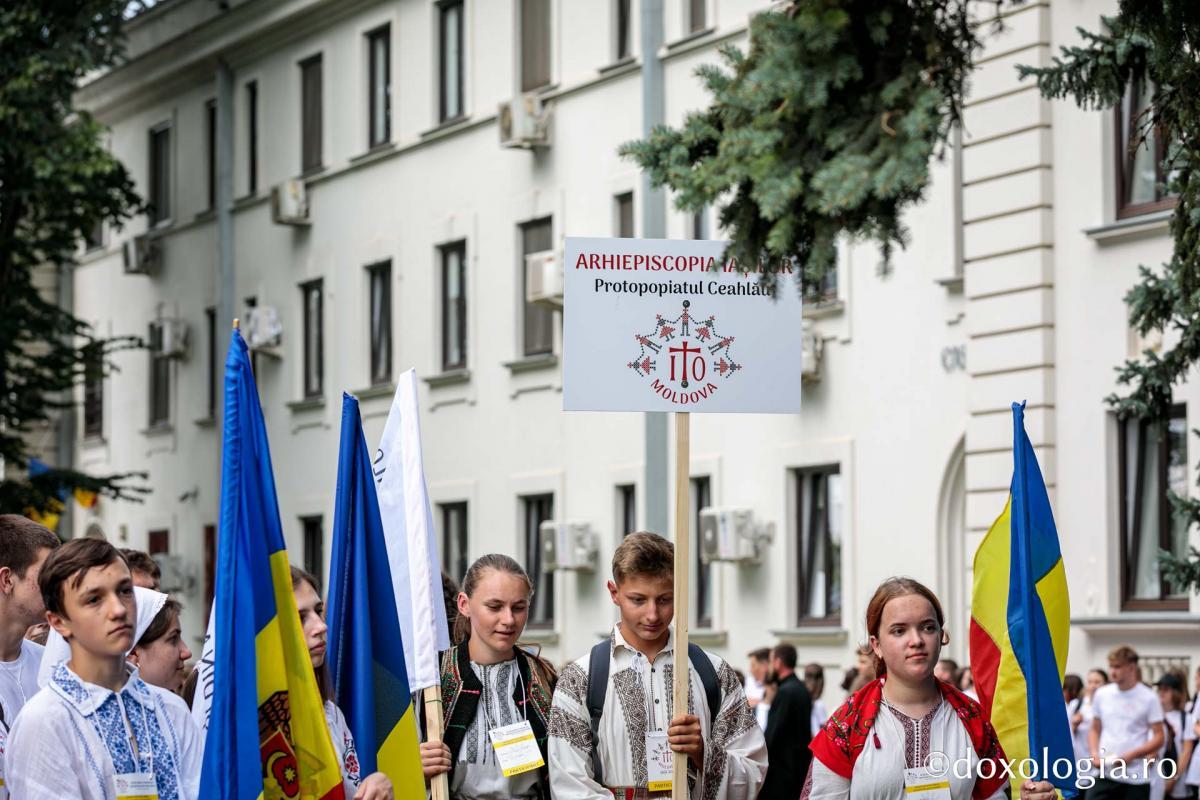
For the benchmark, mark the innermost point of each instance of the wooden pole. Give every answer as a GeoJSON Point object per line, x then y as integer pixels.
{"type": "Point", "coordinates": [683, 484]}
{"type": "Point", "coordinates": [439, 787]}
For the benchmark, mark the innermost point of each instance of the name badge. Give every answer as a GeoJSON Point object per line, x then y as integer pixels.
{"type": "Point", "coordinates": [922, 783]}
{"type": "Point", "coordinates": [516, 748]}
{"type": "Point", "coordinates": [136, 786]}
{"type": "Point", "coordinates": [660, 762]}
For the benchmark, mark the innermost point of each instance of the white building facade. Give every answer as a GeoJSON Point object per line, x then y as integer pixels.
{"type": "Point", "coordinates": [413, 254]}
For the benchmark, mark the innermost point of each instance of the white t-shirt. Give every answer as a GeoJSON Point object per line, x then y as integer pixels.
{"type": "Point", "coordinates": [18, 683]}
{"type": "Point", "coordinates": [1193, 771]}
{"type": "Point", "coordinates": [1178, 720]}
{"type": "Point", "coordinates": [756, 691]}
{"type": "Point", "coordinates": [1125, 721]}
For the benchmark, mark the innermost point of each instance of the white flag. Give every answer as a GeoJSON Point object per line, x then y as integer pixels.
{"type": "Point", "coordinates": [206, 674]}
{"type": "Point", "coordinates": [408, 529]}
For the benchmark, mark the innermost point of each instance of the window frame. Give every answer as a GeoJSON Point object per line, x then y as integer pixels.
{"type": "Point", "coordinates": [379, 278]}
{"type": "Point", "coordinates": [624, 212]}
{"type": "Point", "coordinates": [801, 560]}
{"type": "Point", "coordinates": [1123, 161]}
{"type": "Point", "coordinates": [312, 143]}
{"type": "Point", "coordinates": [691, 28]}
{"type": "Point", "coordinates": [700, 493]}
{"type": "Point", "coordinates": [461, 303]}
{"type": "Point", "coordinates": [527, 79]}
{"type": "Point", "coordinates": [542, 319]}
{"type": "Point", "coordinates": [93, 393]}
{"type": "Point", "coordinates": [159, 183]}
{"type": "Point", "coordinates": [210, 319]}
{"type": "Point", "coordinates": [462, 548]}
{"type": "Point", "coordinates": [622, 38]}
{"type": "Point", "coordinates": [312, 390]}
{"type": "Point", "coordinates": [252, 137]}
{"type": "Point", "coordinates": [309, 524]}
{"type": "Point", "coordinates": [159, 399]}
{"type": "Point", "coordinates": [626, 509]}
{"type": "Point", "coordinates": [210, 125]}
{"type": "Point", "coordinates": [383, 34]}
{"type": "Point", "coordinates": [444, 110]}
{"type": "Point", "coordinates": [1164, 602]}
{"type": "Point", "coordinates": [532, 506]}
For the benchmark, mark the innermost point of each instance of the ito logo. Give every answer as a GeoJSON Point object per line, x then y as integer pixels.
{"type": "Point", "coordinates": [693, 353]}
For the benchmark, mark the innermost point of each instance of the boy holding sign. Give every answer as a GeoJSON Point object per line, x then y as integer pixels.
{"type": "Point", "coordinates": [612, 725]}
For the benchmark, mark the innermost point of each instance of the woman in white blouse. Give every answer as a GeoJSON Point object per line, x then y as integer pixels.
{"type": "Point", "coordinates": [874, 746]}
{"type": "Point", "coordinates": [376, 786]}
{"type": "Point", "coordinates": [489, 683]}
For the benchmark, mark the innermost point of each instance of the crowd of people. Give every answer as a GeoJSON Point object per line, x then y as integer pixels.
{"type": "Point", "coordinates": [99, 709]}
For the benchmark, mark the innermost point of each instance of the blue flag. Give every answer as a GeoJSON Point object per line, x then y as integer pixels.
{"type": "Point", "coordinates": [366, 651]}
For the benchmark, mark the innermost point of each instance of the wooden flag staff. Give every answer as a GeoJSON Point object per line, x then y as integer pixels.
{"type": "Point", "coordinates": [679, 784]}
{"type": "Point", "coordinates": [439, 786]}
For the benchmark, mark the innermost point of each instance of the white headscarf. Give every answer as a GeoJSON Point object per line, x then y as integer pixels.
{"type": "Point", "coordinates": [149, 603]}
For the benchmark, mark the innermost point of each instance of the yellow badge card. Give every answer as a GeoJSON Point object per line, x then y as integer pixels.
{"type": "Point", "coordinates": [136, 786]}
{"type": "Point", "coordinates": [516, 748]}
{"type": "Point", "coordinates": [922, 783]}
{"type": "Point", "coordinates": [660, 762]}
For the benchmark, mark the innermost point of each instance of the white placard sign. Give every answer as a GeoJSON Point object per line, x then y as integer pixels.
{"type": "Point", "coordinates": [648, 325]}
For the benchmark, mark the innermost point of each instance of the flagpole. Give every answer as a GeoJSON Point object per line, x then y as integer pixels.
{"type": "Point", "coordinates": [439, 787]}
{"type": "Point", "coordinates": [679, 785]}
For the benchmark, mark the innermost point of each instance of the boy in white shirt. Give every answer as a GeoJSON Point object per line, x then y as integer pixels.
{"type": "Point", "coordinates": [1126, 728]}
{"type": "Point", "coordinates": [24, 545]}
{"type": "Point", "coordinates": [97, 730]}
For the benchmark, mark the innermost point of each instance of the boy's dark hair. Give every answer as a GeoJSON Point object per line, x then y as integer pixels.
{"type": "Point", "coordinates": [643, 554]}
{"type": "Point", "coordinates": [761, 654]}
{"type": "Point", "coordinates": [161, 623]}
{"type": "Point", "coordinates": [787, 654]}
{"type": "Point", "coordinates": [20, 541]}
{"type": "Point", "coordinates": [70, 563]}
{"type": "Point", "coordinates": [142, 562]}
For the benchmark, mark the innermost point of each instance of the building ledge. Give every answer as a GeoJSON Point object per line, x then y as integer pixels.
{"type": "Point", "coordinates": [159, 429]}
{"type": "Point", "coordinates": [205, 422]}
{"type": "Point", "coordinates": [378, 390]}
{"type": "Point", "coordinates": [827, 308]}
{"type": "Point", "coordinates": [1139, 621]}
{"type": "Point", "coordinates": [627, 61]}
{"type": "Point", "coordinates": [378, 151]}
{"type": "Point", "coordinates": [952, 284]}
{"type": "Point", "coordinates": [813, 634]}
{"type": "Point", "coordinates": [307, 404]}
{"type": "Point", "coordinates": [532, 363]}
{"type": "Point", "coordinates": [93, 441]}
{"type": "Point", "coordinates": [1124, 230]}
{"type": "Point", "coordinates": [708, 637]}
{"type": "Point", "coordinates": [542, 636]}
{"type": "Point", "coordinates": [448, 378]}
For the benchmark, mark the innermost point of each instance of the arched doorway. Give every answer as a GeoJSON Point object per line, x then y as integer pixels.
{"type": "Point", "coordinates": [954, 573]}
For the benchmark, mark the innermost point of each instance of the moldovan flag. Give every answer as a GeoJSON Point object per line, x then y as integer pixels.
{"type": "Point", "coordinates": [366, 648]}
{"type": "Point", "coordinates": [1020, 618]}
{"type": "Point", "coordinates": [267, 736]}
{"type": "Point", "coordinates": [411, 546]}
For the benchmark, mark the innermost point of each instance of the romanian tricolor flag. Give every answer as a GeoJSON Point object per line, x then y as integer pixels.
{"type": "Point", "coordinates": [1020, 618]}
{"type": "Point", "coordinates": [266, 736]}
{"type": "Point", "coordinates": [366, 649]}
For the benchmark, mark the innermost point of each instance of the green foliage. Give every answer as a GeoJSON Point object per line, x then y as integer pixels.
{"type": "Point", "coordinates": [825, 127]}
{"type": "Point", "coordinates": [57, 183]}
{"type": "Point", "coordinates": [1156, 42]}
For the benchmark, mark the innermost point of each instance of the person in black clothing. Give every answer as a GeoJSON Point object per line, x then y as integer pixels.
{"type": "Point", "coordinates": [788, 730]}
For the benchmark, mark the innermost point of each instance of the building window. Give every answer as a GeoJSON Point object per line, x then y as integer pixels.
{"type": "Point", "coordinates": [94, 238]}
{"type": "Point", "coordinates": [698, 225]}
{"type": "Point", "coordinates": [158, 542]}
{"type": "Point", "coordinates": [537, 509]}
{"type": "Point", "coordinates": [314, 340]}
{"type": "Point", "coordinates": [624, 209]}
{"type": "Point", "coordinates": [624, 29]}
{"type": "Point", "coordinates": [93, 392]}
{"type": "Point", "coordinates": [310, 114]}
{"type": "Point", "coordinates": [252, 137]}
{"type": "Point", "coordinates": [314, 547]}
{"type": "Point", "coordinates": [454, 540]}
{"type": "Point", "coordinates": [210, 124]}
{"type": "Point", "coordinates": [160, 378]}
{"type": "Point", "coordinates": [535, 44]}
{"type": "Point", "coordinates": [701, 499]}
{"type": "Point", "coordinates": [538, 327]}
{"type": "Point", "coordinates": [160, 174]}
{"type": "Point", "coordinates": [210, 569]}
{"type": "Point", "coordinates": [1141, 155]}
{"type": "Point", "coordinates": [210, 330]}
{"type": "Point", "coordinates": [379, 277]}
{"type": "Point", "coordinates": [450, 67]}
{"type": "Point", "coordinates": [819, 544]}
{"type": "Point", "coordinates": [626, 509]}
{"type": "Point", "coordinates": [1153, 466]}
{"type": "Point", "coordinates": [454, 306]}
{"type": "Point", "coordinates": [823, 291]}
{"type": "Point", "coordinates": [697, 15]}
{"type": "Point", "coordinates": [379, 47]}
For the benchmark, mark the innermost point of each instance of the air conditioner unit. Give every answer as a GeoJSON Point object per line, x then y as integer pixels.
{"type": "Point", "coordinates": [812, 348]}
{"type": "Point", "coordinates": [568, 545]}
{"type": "Point", "coordinates": [179, 577]}
{"type": "Point", "coordinates": [731, 534]}
{"type": "Point", "coordinates": [544, 279]}
{"type": "Point", "coordinates": [524, 123]}
{"type": "Point", "coordinates": [289, 203]}
{"type": "Point", "coordinates": [141, 255]}
{"type": "Point", "coordinates": [173, 338]}
{"type": "Point", "coordinates": [263, 330]}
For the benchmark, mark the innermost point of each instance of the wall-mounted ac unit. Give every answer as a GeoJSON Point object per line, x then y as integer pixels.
{"type": "Point", "coordinates": [141, 255]}
{"type": "Point", "coordinates": [731, 534]}
{"type": "Point", "coordinates": [263, 330]}
{"type": "Point", "coordinates": [289, 203]}
{"type": "Point", "coordinates": [568, 545]}
{"type": "Point", "coordinates": [173, 338]}
{"type": "Point", "coordinates": [812, 349]}
{"type": "Point", "coordinates": [524, 122]}
{"type": "Point", "coordinates": [544, 279]}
